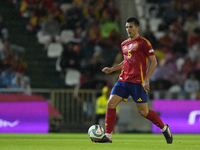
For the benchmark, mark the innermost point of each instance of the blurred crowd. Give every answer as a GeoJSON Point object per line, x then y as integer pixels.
{"type": "Point", "coordinates": [87, 30]}
{"type": "Point", "coordinates": [12, 65]}
{"type": "Point", "coordinates": [89, 34]}
{"type": "Point", "coordinates": [178, 49]}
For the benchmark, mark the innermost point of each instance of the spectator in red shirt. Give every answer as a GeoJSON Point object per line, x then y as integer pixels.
{"type": "Point", "coordinates": [27, 3]}
{"type": "Point", "coordinates": [165, 42]}
{"type": "Point", "coordinates": [39, 15]}
{"type": "Point", "coordinates": [112, 11]}
{"type": "Point", "coordinates": [94, 34]}
{"type": "Point", "coordinates": [19, 65]}
{"type": "Point", "coordinates": [194, 38]}
{"type": "Point", "coordinates": [57, 12]}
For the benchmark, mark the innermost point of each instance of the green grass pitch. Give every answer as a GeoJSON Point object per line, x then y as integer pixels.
{"type": "Point", "coordinates": [76, 141]}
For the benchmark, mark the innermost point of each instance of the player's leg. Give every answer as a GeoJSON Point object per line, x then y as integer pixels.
{"type": "Point", "coordinates": [111, 117]}
{"type": "Point", "coordinates": [149, 114]}
{"type": "Point", "coordinates": [140, 97]}
{"type": "Point", "coordinates": [111, 114]}
{"type": "Point", "coordinates": [154, 118]}
{"type": "Point", "coordinates": [118, 94]}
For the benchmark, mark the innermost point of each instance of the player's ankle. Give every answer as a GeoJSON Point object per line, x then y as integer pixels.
{"type": "Point", "coordinates": [108, 135]}
{"type": "Point", "coordinates": [164, 128]}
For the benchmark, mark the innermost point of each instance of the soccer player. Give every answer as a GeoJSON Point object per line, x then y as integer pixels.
{"type": "Point", "coordinates": [133, 80]}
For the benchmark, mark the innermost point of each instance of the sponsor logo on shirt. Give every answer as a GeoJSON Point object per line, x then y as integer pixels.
{"type": "Point", "coordinates": [150, 51]}
{"type": "Point", "coordinates": [125, 47]}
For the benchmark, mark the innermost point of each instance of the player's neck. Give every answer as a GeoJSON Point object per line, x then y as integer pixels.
{"type": "Point", "coordinates": [134, 37]}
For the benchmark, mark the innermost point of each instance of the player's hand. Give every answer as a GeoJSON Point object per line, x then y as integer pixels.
{"type": "Point", "coordinates": [146, 85]}
{"type": "Point", "coordinates": [107, 70]}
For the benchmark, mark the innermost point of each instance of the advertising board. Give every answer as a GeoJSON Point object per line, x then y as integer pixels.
{"type": "Point", "coordinates": [24, 117]}
{"type": "Point", "coordinates": [183, 116]}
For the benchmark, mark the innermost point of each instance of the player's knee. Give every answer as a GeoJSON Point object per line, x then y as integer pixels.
{"type": "Point", "coordinates": [143, 113]}
{"type": "Point", "coordinates": [111, 104]}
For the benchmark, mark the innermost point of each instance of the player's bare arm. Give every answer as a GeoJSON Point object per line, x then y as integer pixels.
{"type": "Point", "coordinates": [108, 70]}
{"type": "Point", "coordinates": [152, 67]}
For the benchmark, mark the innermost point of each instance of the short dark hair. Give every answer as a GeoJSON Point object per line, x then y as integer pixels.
{"type": "Point", "coordinates": [132, 19]}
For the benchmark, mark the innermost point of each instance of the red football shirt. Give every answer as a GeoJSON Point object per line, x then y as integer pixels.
{"type": "Point", "coordinates": [136, 55]}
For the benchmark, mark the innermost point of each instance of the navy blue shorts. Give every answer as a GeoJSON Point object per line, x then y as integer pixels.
{"type": "Point", "coordinates": [126, 89]}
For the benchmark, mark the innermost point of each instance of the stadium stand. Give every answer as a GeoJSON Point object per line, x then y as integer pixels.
{"type": "Point", "coordinates": [35, 57]}
{"type": "Point", "coordinates": [94, 48]}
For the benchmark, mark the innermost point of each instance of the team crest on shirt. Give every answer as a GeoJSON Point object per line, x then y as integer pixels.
{"type": "Point", "coordinates": [135, 46]}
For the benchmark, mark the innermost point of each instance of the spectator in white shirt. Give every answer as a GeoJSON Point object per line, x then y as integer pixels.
{"type": "Point", "coordinates": [191, 84]}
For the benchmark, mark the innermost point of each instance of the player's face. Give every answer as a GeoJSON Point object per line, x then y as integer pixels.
{"type": "Point", "coordinates": [131, 29]}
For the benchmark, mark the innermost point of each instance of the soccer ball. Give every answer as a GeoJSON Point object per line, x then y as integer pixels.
{"type": "Point", "coordinates": [96, 132]}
